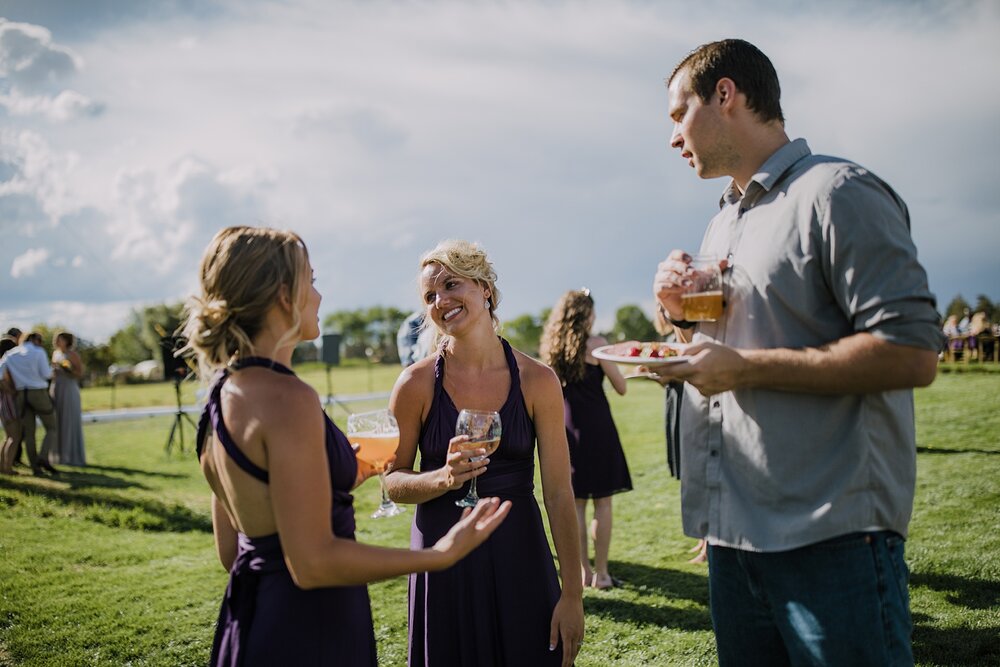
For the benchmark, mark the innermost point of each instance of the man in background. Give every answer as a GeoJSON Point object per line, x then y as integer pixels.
{"type": "Point", "coordinates": [31, 371]}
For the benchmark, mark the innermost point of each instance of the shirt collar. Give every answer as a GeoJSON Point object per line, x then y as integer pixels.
{"type": "Point", "coordinates": [769, 173]}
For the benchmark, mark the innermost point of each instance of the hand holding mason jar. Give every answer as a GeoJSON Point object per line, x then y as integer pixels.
{"type": "Point", "coordinates": [689, 287]}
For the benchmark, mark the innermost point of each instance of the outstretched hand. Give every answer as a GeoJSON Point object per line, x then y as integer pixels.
{"type": "Point", "coordinates": [475, 526]}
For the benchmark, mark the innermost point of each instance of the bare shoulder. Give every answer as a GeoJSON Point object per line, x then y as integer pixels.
{"type": "Point", "coordinates": [416, 379]}
{"type": "Point", "coordinates": [595, 342]}
{"type": "Point", "coordinates": [277, 398]}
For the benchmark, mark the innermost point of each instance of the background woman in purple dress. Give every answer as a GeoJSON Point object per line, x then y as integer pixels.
{"type": "Point", "coordinates": [599, 466]}
{"type": "Point", "coordinates": [502, 605]}
{"type": "Point", "coordinates": [281, 472]}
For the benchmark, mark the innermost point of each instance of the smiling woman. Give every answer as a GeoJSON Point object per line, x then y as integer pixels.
{"type": "Point", "coordinates": [506, 595]}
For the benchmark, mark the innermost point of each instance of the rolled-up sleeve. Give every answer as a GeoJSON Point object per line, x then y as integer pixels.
{"type": "Point", "coordinates": [871, 262]}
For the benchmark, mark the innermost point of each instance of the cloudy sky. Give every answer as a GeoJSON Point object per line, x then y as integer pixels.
{"type": "Point", "coordinates": [132, 130]}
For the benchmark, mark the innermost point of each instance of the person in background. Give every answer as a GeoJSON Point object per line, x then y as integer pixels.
{"type": "Point", "coordinates": [797, 432]}
{"type": "Point", "coordinates": [281, 472]}
{"type": "Point", "coordinates": [599, 466]}
{"type": "Point", "coordinates": [29, 368]}
{"type": "Point", "coordinates": [11, 443]}
{"type": "Point", "coordinates": [415, 339]}
{"type": "Point", "coordinates": [65, 391]}
{"type": "Point", "coordinates": [502, 605]}
{"type": "Point", "coordinates": [980, 328]}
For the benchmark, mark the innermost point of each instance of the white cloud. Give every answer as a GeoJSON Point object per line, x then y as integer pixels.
{"type": "Point", "coordinates": [32, 72]}
{"type": "Point", "coordinates": [25, 265]}
{"type": "Point", "coordinates": [28, 58]}
{"type": "Point", "coordinates": [65, 106]}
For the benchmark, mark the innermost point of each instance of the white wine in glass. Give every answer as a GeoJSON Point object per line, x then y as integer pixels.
{"type": "Point", "coordinates": [483, 429]}
{"type": "Point", "coordinates": [377, 436]}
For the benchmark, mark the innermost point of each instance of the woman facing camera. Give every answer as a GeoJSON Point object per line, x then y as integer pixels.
{"type": "Point", "coordinates": [599, 466]}
{"type": "Point", "coordinates": [281, 472]}
{"type": "Point", "coordinates": [65, 391]}
{"type": "Point", "coordinates": [502, 605]}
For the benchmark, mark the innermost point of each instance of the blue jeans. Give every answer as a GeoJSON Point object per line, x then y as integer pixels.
{"type": "Point", "coordinates": [843, 601]}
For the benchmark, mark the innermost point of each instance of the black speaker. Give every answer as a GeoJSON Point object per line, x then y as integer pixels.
{"type": "Point", "coordinates": [331, 349]}
{"type": "Point", "coordinates": [174, 368]}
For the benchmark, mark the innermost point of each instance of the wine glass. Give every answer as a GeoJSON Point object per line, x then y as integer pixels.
{"type": "Point", "coordinates": [483, 429]}
{"type": "Point", "coordinates": [376, 434]}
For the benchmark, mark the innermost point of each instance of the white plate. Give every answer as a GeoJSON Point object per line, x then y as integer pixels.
{"type": "Point", "coordinates": [618, 353]}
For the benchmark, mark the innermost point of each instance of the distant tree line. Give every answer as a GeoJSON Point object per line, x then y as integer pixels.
{"type": "Point", "coordinates": [367, 334]}
{"type": "Point", "coordinates": [958, 307]}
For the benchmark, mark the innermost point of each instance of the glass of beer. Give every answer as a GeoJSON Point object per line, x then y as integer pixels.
{"type": "Point", "coordinates": [702, 302]}
{"type": "Point", "coordinates": [483, 429]}
{"type": "Point", "coordinates": [376, 434]}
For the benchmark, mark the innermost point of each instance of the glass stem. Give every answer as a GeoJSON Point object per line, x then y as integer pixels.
{"type": "Point", "coordinates": [385, 494]}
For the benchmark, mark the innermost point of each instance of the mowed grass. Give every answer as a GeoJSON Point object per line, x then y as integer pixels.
{"type": "Point", "coordinates": [114, 564]}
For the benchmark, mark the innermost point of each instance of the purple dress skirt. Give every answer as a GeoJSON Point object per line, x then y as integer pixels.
{"type": "Point", "coordinates": [266, 619]}
{"type": "Point", "coordinates": [493, 607]}
{"type": "Point", "coordinates": [595, 450]}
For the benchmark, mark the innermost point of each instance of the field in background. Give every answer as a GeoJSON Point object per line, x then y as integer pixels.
{"type": "Point", "coordinates": [114, 564]}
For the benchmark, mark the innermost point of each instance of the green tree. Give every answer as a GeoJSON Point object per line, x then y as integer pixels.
{"type": "Point", "coordinates": [525, 331]}
{"type": "Point", "coordinates": [367, 329]}
{"type": "Point", "coordinates": [958, 306]}
{"type": "Point", "coordinates": [631, 323]}
{"type": "Point", "coordinates": [126, 346]}
{"type": "Point", "coordinates": [992, 310]}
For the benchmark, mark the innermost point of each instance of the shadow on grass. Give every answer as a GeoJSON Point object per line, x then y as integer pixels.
{"type": "Point", "coordinates": [962, 645]}
{"type": "Point", "coordinates": [108, 508]}
{"type": "Point", "coordinates": [645, 580]}
{"type": "Point", "coordinates": [137, 471]}
{"type": "Point", "coordinates": [954, 647]}
{"type": "Point", "coordinates": [953, 450]}
{"type": "Point", "coordinates": [960, 591]}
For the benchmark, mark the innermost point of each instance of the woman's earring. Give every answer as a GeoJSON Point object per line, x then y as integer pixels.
{"type": "Point", "coordinates": [486, 304]}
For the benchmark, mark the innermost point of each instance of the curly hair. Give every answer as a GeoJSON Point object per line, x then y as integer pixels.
{"type": "Point", "coordinates": [242, 273]}
{"type": "Point", "coordinates": [564, 338]}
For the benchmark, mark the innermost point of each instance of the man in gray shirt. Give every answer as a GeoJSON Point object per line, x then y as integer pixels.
{"type": "Point", "coordinates": [797, 427]}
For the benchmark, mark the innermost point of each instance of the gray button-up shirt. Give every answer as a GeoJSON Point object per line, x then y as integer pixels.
{"type": "Point", "coordinates": [819, 249]}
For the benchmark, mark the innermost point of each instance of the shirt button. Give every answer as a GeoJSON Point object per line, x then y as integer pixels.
{"type": "Point", "coordinates": [715, 405]}
{"type": "Point", "coordinates": [714, 452]}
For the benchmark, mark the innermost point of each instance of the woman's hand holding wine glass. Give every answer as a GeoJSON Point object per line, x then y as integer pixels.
{"type": "Point", "coordinates": [463, 463]}
{"type": "Point", "coordinates": [483, 430]}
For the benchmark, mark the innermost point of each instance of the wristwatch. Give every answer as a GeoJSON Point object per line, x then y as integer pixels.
{"type": "Point", "coordinates": [680, 324]}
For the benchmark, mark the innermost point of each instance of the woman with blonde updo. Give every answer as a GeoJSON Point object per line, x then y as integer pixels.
{"type": "Point", "coordinates": [502, 605]}
{"type": "Point", "coordinates": [599, 466]}
{"type": "Point", "coordinates": [281, 472]}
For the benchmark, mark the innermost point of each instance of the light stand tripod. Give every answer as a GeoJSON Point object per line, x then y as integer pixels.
{"type": "Point", "coordinates": [179, 417]}
{"type": "Point", "coordinates": [331, 402]}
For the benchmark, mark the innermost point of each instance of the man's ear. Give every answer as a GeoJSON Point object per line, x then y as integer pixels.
{"type": "Point", "coordinates": [725, 92]}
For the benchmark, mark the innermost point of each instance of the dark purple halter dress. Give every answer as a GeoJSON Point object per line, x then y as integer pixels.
{"type": "Point", "coordinates": [265, 618]}
{"type": "Point", "coordinates": [595, 451]}
{"type": "Point", "coordinates": [494, 607]}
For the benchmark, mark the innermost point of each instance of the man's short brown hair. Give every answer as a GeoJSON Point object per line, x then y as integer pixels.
{"type": "Point", "coordinates": [745, 64]}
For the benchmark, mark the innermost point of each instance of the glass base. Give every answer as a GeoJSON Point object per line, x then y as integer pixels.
{"type": "Point", "coordinates": [388, 509]}
{"type": "Point", "coordinates": [468, 501]}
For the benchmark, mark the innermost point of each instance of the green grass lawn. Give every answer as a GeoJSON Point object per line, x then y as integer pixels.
{"type": "Point", "coordinates": [114, 564]}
